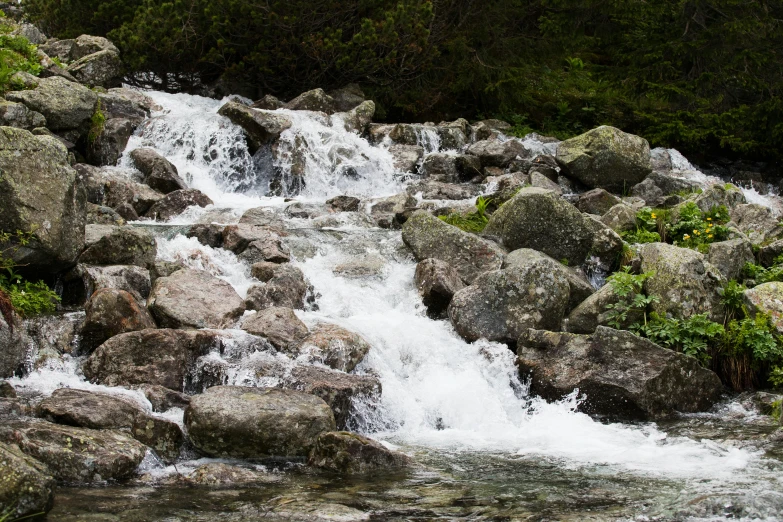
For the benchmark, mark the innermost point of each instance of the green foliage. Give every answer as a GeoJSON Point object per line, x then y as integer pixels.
{"type": "Point", "coordinates": [776, 379]}
{"type": "Point", "coordinates": [16, 54]}
{"type": "Point", "coordinates": [472, 222]}
{"type": "Point", "coordinates": [777, 406]}
{"type": "Point", "coordinates": [650, 226]}
{"type": "Point", "coordinates": [761, 275]}
{"type": "Point", "coordinates": [628, 288]}
{"type": "Point", "coordinates": [692, 336]}
{"type": "Point", "coordinates": [696, 229]}
{"type": "Point", "coordinates": [732, 298]}
{"type": "Point", "coordinates": [97, 122]}
{"type": "Point", "coordinates": [26, 297]}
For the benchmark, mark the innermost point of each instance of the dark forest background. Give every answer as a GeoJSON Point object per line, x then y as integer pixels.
{"type": "Point", "coordinates": [703, 76]}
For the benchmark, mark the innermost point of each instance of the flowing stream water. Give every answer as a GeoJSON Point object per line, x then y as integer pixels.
{"type": "Point", "coordinates": [483, 447]}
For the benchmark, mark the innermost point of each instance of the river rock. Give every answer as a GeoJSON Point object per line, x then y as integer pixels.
{"type": "Point", "coordinates": [76, 455]}
{"type": "Point", "coordinates": [163, 399]}
{"type": "Point", "coordinates": [334, 346]}
{"type": "Point", "coordinates": [256, 243]}
{"type": "Point", "coordinates": [758, 222]}
{"type": "Point", "coordinates": [607, 247]}
{"type": "Point", "coordinates": [65, 105]}
{"type": "Point", "coordinates": [115, 191]}
{"type": "Point", "coordinates": [287, 288]}
{"type": "Point", "coordinates": [110, 142]}
{"type": "Point", "coordinates": [541, 181]}
{"type": "Point", "coordinates": [149, 357]}
{"type": "Point", "coordinates": [316, 100]}
{"type": "Point", "coordinates": [13, 339]}
{"type": "Point", "coordinates": [620, 218]}
{"type": "Point", "coordinates": [525, 258]}
{"type": "Point", "coordinates": [438, 190]}
{"type": "Point", "coordinates": [268, 103]}
{"type": "Point", "coordinates": [39, 191]}
{"type": "Point", "coordinates": [719, 194]}
{"type": "Point", "coordinates": [215, 474]}
{"type": "Point", "coordinates": [260, 127]}
{"type": "Point", "coordinates": [127, 104]}
{"type": "Point", "coordinates": [162, 435]}
{"type": "Point", "coordinates": [500, 305]}
{"type": "Point", "coordinates": [430, 238]}
{"type": "Point", "coordinates": [159, 173]}
{"type": "Point", "coordinates": [685, 283]}
{"type": "Point", "coordinates": [596, 201]}
{"type": "Point", "coordinates": [175, 203]}
{"type": "Point", "coordinates": [19, 116]}
{"type": "Point", "coordinates": [100, 69]}
{"type": "Point", "coordinates": [593, 312]}
{"type": "Point", "coordinates": [357, 119]}
{"type": "Point", "coordinates": [194, 299]}
{"type": "Point", "coordinates": [110, 312]}
{"type": "Point", "coordinates": [349, 453]}
{"type": "Point", "coordinates": [661, 190]}
{"type": "Point", "coordinates": [280, 326]}
{"type": "Point", "coordinates": [84, 280]}
{"type": "Point", "coordinates": [27, 487]}
{"type": "Point", "coordinates": [344, 203]}
{"type": "Point", "coordinates": [86, 45]}
{"type": "Point", "coordinates": [767, 299]}
{"type": "Point", "coordinates": [406, 157]}
{"type": "Point", "coordinates": [606, 157]}
{"type": "Point", "coordinates": [497, 153]}
{"type": "Point", "coordinates": [238, 422]}
{"type": "Point", "coordinates": [263, 271]}
{"type": "Point", "coordinates": [7, 390]}
{"type": "Point", "coordinates": [621, 375]}
{"type": "Point", "coordinates": [539, 219]}
{"type": "Point", "coordinates": [731, 256]}
{"type": "Point", "coordinates": [384, 210]}
{"type": "Point", "coordinates": [437, 283]}
{"type": "Point", "coordinates": [108, 245]}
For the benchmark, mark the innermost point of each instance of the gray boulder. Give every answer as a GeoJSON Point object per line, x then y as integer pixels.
{"type": "Point", "coordinates": [65, 105]}
{"type": "Point", "coordinates": [438, 190]}
{"type": "Point", "coordinates": [578, 286]}
{"type": "Point", "coordinates": [28, 488]}
{"type": "Point", "coordinates": [260, 127]}
{"type": "Point", "coordinates": [163, 399]}
{"type": "Point", "coordinates": [232, 421]}
{"type": "Point", "coordinates": [334, 346]}
{"type": "Point", "coordinates": [126, 104]}
{"type": "Point", "coordinates": [500, 305]}
{"type": "Point", "coordinates": [268, 103]}
{"type": "Point", "coordinates": [280, 326]}
{"type": "Point", "coordinates": [159, 173]}
{"type": "Point", "coordinates": [437, 283]}
{"type": "Point", "coordinates": [685, 283]}
{"type": "Point", "coordinates": [76, 455]}
{"type": "Point", "coordinates": [13, 340]}
{"type": "Point", "coordinates": [111, 312]}
{"type": "Point", "coordinates": [316, 100]}
{"type": "Point", "coordinates": [383, 211]}
{"type": "Point", "coordinates": [109, 245]}
{"type": "Point", "coordinates": [731, 256]}
{"type": "Point", "coordinates": [607, 158]}
{"type": "Point", "coordinates": [84, 280]}
{"type": "Point", "coordinates": [175, 203]}
{"type": "Point", "coordinates": [593, 312]}
{"type": "Point", "coordinates": [660, 189]}
{"type": "Point", "coordinates": [99, 69]}
{"type": "Point", "coordinates": [358, 118]}
{"type": "Point", "coordinates": [406, 157]}
{"type": "Point", "coordinates": [108, 145]}
{"type": "Point", "coordinates": [620, 218]}
{"type": "Point", "coordinates": [194, 299]}
{"type": "Point", "coordinates": [596, 201]}
{"type": "Point", "coordinates": [344, 204]}
{"type": "Point", "coordinates": [539, 180]}
{"type": "Point", "coordinates": [719, 194]}
{"type": "Point", "coordinates": [607, 247]}
{"type": "Point", "coordinates": [497, 153]}
{"type": "Point", "coordinates": [758, 222]}
{"type": "Point", "coordinates": [620, 375]}
{"type": "Point", "coordinates": [430, 238]}
{"type": "Point", "coordinates": [348, 453]}
{"type": "Point", "coordinates": [19, 116]}
{"type": "Point", "coordinates": [287, 288]}
{"type": "Point", "coordinates": [766, 299]}
{"type": "Point", "coordinates": [86, 45]}
{"type": "Point", "coordinates": [115, 191]}
{"type": "Point", "coordinates": [539, 219]}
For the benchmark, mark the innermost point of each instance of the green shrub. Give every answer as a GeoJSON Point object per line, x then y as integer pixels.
{"type": "Point", "coordinates": [696, 229]}
{"type": "Point", "coordinates": [750, 353]}
{"type": "Point", "coordinates": [761, 275]}
{"type": "Point", "coordinates": [650, 227]}
{"type": "Point", "coordinates": [16, 54]}
{"type": "Point", "coordinates": [26, 297]}
{"type": "Point", "coordinates": [97, 122]}
{"type": "Point", "coordinates": [632, 301]}
{"type": "Point", "coordinates": [732, 298]}
{"type": "Point", "coordinates": [473, 222]}
{"type": "Point", "coordinates": [693, 336]}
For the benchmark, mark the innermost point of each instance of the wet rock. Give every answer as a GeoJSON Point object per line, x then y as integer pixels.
{"type": "Point", "coordinates": [438, 190]}
{"type": "Point", "coordinates": [99, 69]}
{"type": "Point", "coordinates": [538, 219]}
{"type": "Point", "coordinates": [454, 135]}
{"type": "Point", "coordinates": [348, 453]}
{"type": "Point", "coordinates": [496, 153]}
{"type": "Point", "coordinates": [98, 215]}
{"type": "Point", "coordinates": [685, 283]}
{"type": "Point", "coordinates": [13, 340]}
{"type": "Point", "coordinates": [84, 280]}
{"type": "Point", "coordinates": [437, 283]}
{"type": "Point", "coordinates": [502, 304]}
{"type": "Point", "coordinates": [163, 399]}
{"type": "Point", "coordinates": [305, 210]}
{"type": "Point", "coordinates": [110, 312]}
{"type": "Point", "coordinates": [607, 248]}
{"type": "Point", "coordinates": [268, 103]}
{"type": "Point", "coordinates": [506, 186]}
{"type": "Point", "coordinates": [486, 129]}
{"type": "Point", "coordinates": [384, 210]}
{"type": "Point", "coordinates": [767, 254]}
{"type": "Point", "coordinates": [149, 357]}
{"type": "Point", "coordinates": [40, 192]}
{"type": "Point", "coordinates": [232, 421]}
{"type": "Point", "coordinates": [344, 204]}
{"type": "Point", "coordinates": [596, 201]}
{"type": "Point", "coordinates": [209, 235]}
{"type": "Point", "coordinates": [731, 256]}
{"type": "Point", "coordinates": [27, 487]}
{"type": "Point", "coordinates": [287, 288]}
{"type": "Point", "coordinates": [406, 157]}
{"type": "Point", "coordinates": [270, 249]}
{"type": "Point", "coordinates": [607, 158]}
{"type": "Point", "coordinates": [86, 409]}
{"type": "Point", "coordinates": [128, 104]}
{"type": "Point", "coordinates": [451, 168]}
{"type": "Point", "coordinates": [620, 218]}
{"type": "Point", "coordinates": [759, 223]}
{"type": "Point", "coordinates": [357, 119]}
{"type": "Point", "coordinates": [108, 245]}
{"type": "Point", "coordinates": [175, 203]}
{"type": "Point", "coordinates": [334, 346]}
{"type": "Point", "coordinates": [713, 196]}
{"type": "Point", "coordinates": [525, 258]}
{"type": "Point", "coordinates": [316, 100]}
{"type": "Point", "coordinates": [766, 299]}
{"type": "Point", "coordinates": [430, 238]}
{"type": "Point", "coordinates": [260, 127]}
{"type": "Point", "coordinates": [264, 271]}
{"type": "Point", "coordinates": [365, 266]}
{"type": "Point", "coordinates": [159, 173]}
{"type": "Point", "coordinates": [662, 190]}
{"type": "Point", "coordinates": [279, 325]}
{"type": "Point", "coordinates": [539, 180]}
{"type": "Point", "coordinates": [593, 312]}
{"type": "Point", "coordinates": [339, 390]}
{"type": "Point", "coordinates": [115, 191]}
{"type": "Point", "coordinates": [76, 455]}
{"type": "Point", "coordinates": [19, 116]}
{"type": "Point", "coordinates": [219, 474]}
{"type": "Point", "coordinates": [12, 409]}
{"type": "Point", "coordinates": [621, 375]}
{"type": "Point", "coordinates": [163, 436]}
{"type": "Point", "coordinates": [194, 299]}
{"type": "Point", "coordinates": [65, 105]}
{"type": "Point", "coordinates": [7, 390]}
{"type": "Point", "coordinates": [263, 243]}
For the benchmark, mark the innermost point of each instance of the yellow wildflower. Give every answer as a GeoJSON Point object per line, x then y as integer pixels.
{"type": "Point", "coordinates": [695, 231]}
{"type": "Point", "coordinates": [686, 236]}
{"type": "Point", "coordinates": [709, 219]}
{"type": "Point", "coordinates": [653, 216]}
{"type": "Point", "coordinates": [710, 236]}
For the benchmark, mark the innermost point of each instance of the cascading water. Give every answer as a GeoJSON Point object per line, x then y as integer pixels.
{"type": "Point", "coordinates": [443, 399]}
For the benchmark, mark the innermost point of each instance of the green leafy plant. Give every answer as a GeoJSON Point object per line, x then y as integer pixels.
{"type": "Point", "coordinates": [631, 300]}
{"type": "Point", "coordinates": [693, 336]}
{"type": "Point", "coordinates": [732, 299]}
{"type": "Point", "coordinates": [474, 221]}
{"type": "Point", "coordinates": [776, 379]}
{"type": "Point", "coordinates": [26, 297]}
{"type": "Point", "coordinates": [650, 227]}
{"type": "Point", "coordinates": [696, 229]}
{"type": "Point", "coordinates": [97, 122]}
{"type": "Point", "coordinates": [750, 349]}
{"type": "Point", "coordinates": [761, 275]}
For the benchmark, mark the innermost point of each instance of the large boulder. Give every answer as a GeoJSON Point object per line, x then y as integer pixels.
{"type": "Point", "coordinates": [620, 218]}
{"type": "Point", "coordinates": [106, 147]}
{"type": "Point", "coordinates": [86, 45]}
{"type": "Point", "coordinates": [99, 69]}
{"type": "Point", "coordinates": [597, 201]}
{"type": "Point", "coordinates": [261, 127]}
{"type": "Point", "coordinates": [663, 190]}
{"type": "Point", "coordinates": [175, 203]}
{"type": "Point", "coordinates": [115, 191]}
{"type": "Point", "coordinates": [334, 346]}
{"type": "Point", "coordinates": [40, 192]}
{"type": "Point", "coordinates": [287, 288]}
{"type": "Point", "coordinates": [348, 453]}
{"type": "Point", "coordinates": [129, 104]}
{"type": "Point", "coordinates": [27, 487]}
{"type": "Point", "coordinates": [18, 115]}
{"type": "Point", "coordinates": [110, 245]}
{"type": "Point", "coordinates": [280, 326]}
{"type": "Point", "coordinates": [76, 455]}
{"type": "Point", "coordinates": [358, 118]}
{"type": "Point", "coordinates": [594, 312]}
{"type": "Point", "coordinates": [684, 282]}
{"type": "Point", "coordinates": [13, 339]}
{"type": "Point", "coordinates": [719, 194]}
{"type": "Point", "coordinates": [238, 422]}
{"type": "Point", "coordinates": [578, 285]}
{"type": "Point", "coordinates": [159, 173]}
{"type": "Point", "coordinates": [538, 219]}
{"type": "Point", "coordinates": [65, 105]}
{"type": "Point", "coordinates": [437, 283]}
{"type": "Point", "coordinates": [430, 238]}
{"type": "Point", "coordinates": [758, 222]}
{"type": "Point", "coordinates": [194, 299]}
{"type": "Point", "coordinates": [502, 304]}
{"type": "Point", "coordinates": [497, 153]}
{"type": "Point", "coordinates": [85, 280]}
{"type": "Point", "coordinates": [619, 374]}
{"type": "Point", "coordinates": [406, 157]}
{"type": "Point", "coordinates": [607, 158]}
{"type": "Point", "coordinates": [767, 299]}
{"type": "Point", "coordinates": [316, 100]}
{"type": "Point", "coordinates": [731, 256]}
{"type": "Point", "coordinates": [149, 357]}
{"type": "Point", "coordinates": [110, 312]}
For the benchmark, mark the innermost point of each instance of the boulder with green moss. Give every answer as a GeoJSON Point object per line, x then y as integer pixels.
{"type": "Point", "coordinates": [726, 195]}
{"type": "Point", "coordinates": [39, 191]}
{"type": "Point", "coordinates": [26, 486]}
{"type": "Point", "coordinates": [766, 299]}
{"type": "Point", "coordinates": [539, 219]}
{"type": "Point", "coordinates": [261, 127]}
{"type": "Point", "coordinates": [757, 222]}
{"type": "Point", "coordinates": [348, 453]}
{"type": "Point", "coordinates": [18, 115]}
{"type": "Point", "coordinates": [65, 105]}
{"type": "Point", "coordinates": [682, 279]}
{"type": "Point", "coordinates": [607, 158]}
{"type": "Point", "coordinates": [100, 69]}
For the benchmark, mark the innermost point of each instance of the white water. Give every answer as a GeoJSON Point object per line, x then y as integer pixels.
{"type": "Point", "coordinates": [439, 392]}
